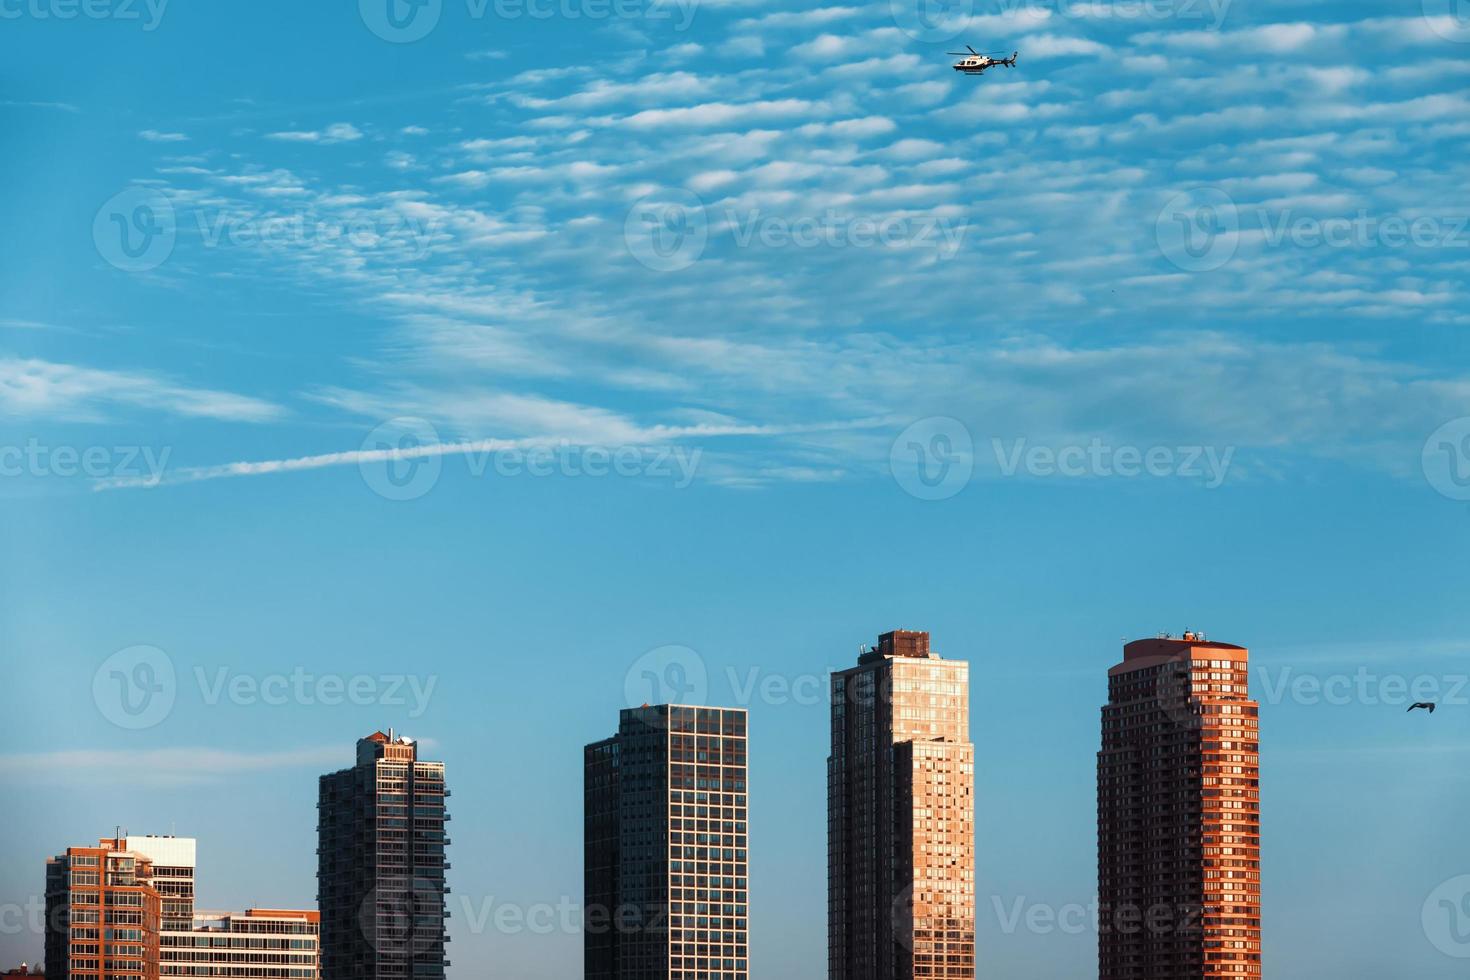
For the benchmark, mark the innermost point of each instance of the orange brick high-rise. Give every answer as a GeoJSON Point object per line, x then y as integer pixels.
{"type": "Point", "coordinates": [901, 816]}
{"type": "Point", "coordinates": [1178, 814]}
{"type": "Point", "coordinates": [103, 914]}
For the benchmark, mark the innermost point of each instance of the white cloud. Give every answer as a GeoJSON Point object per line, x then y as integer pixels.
{"type": "Point", "coordinates": [1369, 175]}
{"type": "Point", "coordinates": [601, 92]}
{"type": "Point", "coordinates": [1270, 38]}
{"type": "Point", "coordinates": [712, 179]}
{"type": "Point", "coordinates": [1055, 46]}
{"type": "Point", "coordinates": [726, 114]}
{"type": "Point", "coordinates": [1057, 172]}
{"type": "Point", "coordinates": [154, 767]}
{"type": "Point", "coordinates": [1150, 64]}
{"type": "Point", "coordinates": [565, 425]}
{"type": "Point", "coordinates": [748, 46]}
{"type": "Point", "coordinates": [58, 106]}
{"type": "Point", "coordinates": [683, 52]}
{"type": "Point", "coordinates": [335, 133]}
{"type": "Point", "coordinates": [799, 19]}
{"type": "Point", "coordinates": [851, 128]}
{"type": "Point", "coordinates": [832, 47]}
{"type": "Point", "coordinates": [1439, 105]}
{"type": "Point", "coordinates": [1338, 78]}
{"type": "Point", "coordinates": [1426, 29]}
{"type": "Point", "coordinates": [924, 93]}
{"type": "Point", "coordinates": [45, 389]}
{"type": "Point", "coordinates": [912, 149]}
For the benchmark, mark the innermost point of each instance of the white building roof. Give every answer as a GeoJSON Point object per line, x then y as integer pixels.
{"type": "Point", "coordinates": [173, 852]}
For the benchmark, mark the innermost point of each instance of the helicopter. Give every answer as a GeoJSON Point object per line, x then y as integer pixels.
{"type": "Point", "coordinates": [975, 63]}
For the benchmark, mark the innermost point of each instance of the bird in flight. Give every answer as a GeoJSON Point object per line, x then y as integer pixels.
{"type": "Point", "coordinates": [1427, 705]}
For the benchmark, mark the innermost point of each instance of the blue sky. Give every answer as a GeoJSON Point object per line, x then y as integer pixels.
{"type": "Point", "coordinates": [497, 348]}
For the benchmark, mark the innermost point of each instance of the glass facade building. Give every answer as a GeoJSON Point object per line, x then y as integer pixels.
{"type": "Point", "coordinates": [380, 865]}
{"type": "Point", "coordinates": [666, 847]}
{"type": "Point", "coordinates": [258, 944]}
{"type": "Point", "coordinates": [173, 860]}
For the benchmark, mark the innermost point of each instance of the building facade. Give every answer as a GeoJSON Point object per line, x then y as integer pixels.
{"type": "Point", "coordinates": [126, 909]}
{"type": "Point", "coordinates": [103, 914]}
{"type": "Point", "coordinates": [173, 860]}
{"type": "Point", "coordinates": [380, 865]}
{"type": "Point", "coordinates": [901, 816]}
{"type": "Point", "coordinates": [1178, 801]}
{"type": "Point", "coordinates": [666, 847]}
{"type": "Point", "coordinates": [257, 944]}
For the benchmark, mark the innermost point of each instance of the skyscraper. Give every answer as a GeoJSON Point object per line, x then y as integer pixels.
{"type": "Point", "coordinates": [1178, 814]}
{"type": "Point", "coordinates": [380, 865]}
{"type": "Point", "coordinates": [103, 914]}
{"type": "Point", "coordinates": [901, 816]}
{"type": "Point", "coordinates": [665, 847]}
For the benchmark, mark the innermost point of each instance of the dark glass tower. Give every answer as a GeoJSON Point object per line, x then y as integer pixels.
{"type": "Point", "coordinates": [665, 857]}
{"type": "Point", "coordinates": [380, 865]}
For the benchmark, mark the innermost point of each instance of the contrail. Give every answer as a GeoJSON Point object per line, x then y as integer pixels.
{"type": "Point", "coordinates": [656, 435]}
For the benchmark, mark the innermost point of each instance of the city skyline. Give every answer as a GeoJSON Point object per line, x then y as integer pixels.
{"type": "Point", "coordinates": [913, 642]}
{"type": "Point", "coordinates": [666, 874]}
{"type": "Point", "coordinates": [480, 368]}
